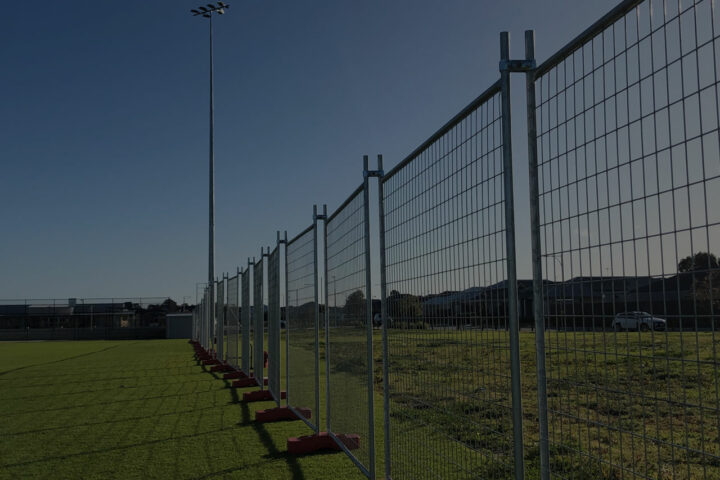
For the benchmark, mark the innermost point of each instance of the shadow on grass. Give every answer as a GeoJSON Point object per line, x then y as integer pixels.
{"type": "Point", "coordinates": [265, 438]}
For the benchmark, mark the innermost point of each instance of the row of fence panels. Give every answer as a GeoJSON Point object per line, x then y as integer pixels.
{"type": "Point", "coordinates": [614, 373]}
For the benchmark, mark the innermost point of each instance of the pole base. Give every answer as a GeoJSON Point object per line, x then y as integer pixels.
{"type": "Point", "coordinates": [279, 414]}
{"type": "Point", "coordinates": [223, 367]}
{"type": "Point", "coordinates": [245, 383]}
{"type": "Point", "coordinates": [321, 441]}
{"type": "Point", "coordinates": [235, 374]}
{"type": "Point", "coordinates": [260, 396]}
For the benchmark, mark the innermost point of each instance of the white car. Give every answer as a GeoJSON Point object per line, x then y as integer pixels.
{"type": "Point", "coordinates": [642, 321]}
{"type": "Point", "coordinates": [377, 321]}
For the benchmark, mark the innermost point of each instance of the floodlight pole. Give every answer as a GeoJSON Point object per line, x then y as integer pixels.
{"type": "Point", "coordinates": [208, 13]}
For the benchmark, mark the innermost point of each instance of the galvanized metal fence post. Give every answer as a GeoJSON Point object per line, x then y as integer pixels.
{"type": "Point", "coordinates": [287, 327]}
{"type": "Point", "coordinates": [317, 317]}
{"type": "Point", "coordinates": [536, 258]}
{"type": "Point", "coordinates": [327, 323]}
{"type": "Point", "coordinates": [384, 318]}
{"type": "Point", "coordinates": [368, 318]}
{"type": "Point", "coordinates": [511, 257]}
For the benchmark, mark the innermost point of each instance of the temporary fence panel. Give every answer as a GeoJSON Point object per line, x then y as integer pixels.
{"type": "Point", "coordinates": [349, 336]}
{"type": "Point", "coordinates": [448, 306]}
{"type": "Point", "coordinates": [302, 348]}
{"type": "Point", "coordinates": [629, 189]}
{"type": "Point", "coordinates": [220, 319]}
{"type": "Point", "coordinates": [206, 322]}
{"type": "Point", "coordinates": [233, 322]}
{"type": "Point", "coordinates": [259, 322]}
{"type": "Point", "coordinates": [245, 320]}
{"type": "Point", "coordinates": [274, 324]}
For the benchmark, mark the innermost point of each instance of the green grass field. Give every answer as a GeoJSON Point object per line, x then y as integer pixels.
{"type": "Point", "coordinates": [138, 409]}
{"type": "Point", "coordinates": [623, 405]}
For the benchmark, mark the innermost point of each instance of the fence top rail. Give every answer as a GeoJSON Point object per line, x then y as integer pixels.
{"type": "Point", "coordinates": [296, 237]}
{"type": "Point", "coordinates": [346, 202]}
{"type": "Point", "coordinates": [482, 98]}
{"type": "Point", "coordinates": [576, 43]}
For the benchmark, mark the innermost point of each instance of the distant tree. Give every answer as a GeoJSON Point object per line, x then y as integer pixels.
{"type": "Point", "coordinates": [704, 269]}
{"type": "Point", "coordinates": [169, 306]}
{"type": "Point", "coordinates": [355, 302]}
{"type": "Point", "coordinates": [404, 305]}
{"type": "Point", "coordinates": [699, 261]}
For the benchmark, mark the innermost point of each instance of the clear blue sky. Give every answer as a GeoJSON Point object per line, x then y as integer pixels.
{"type": "Point", "coordinates": [104, 124]}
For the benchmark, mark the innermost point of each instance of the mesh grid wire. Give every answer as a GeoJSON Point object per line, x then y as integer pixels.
{"type": "Point", "coordinates": [259, 322]}
{"type": "Point", "coordinates": [300, 330]}
{"type": "Point", "coordinates": [446, 269]}
{"type": "Point", "coordinates": [245, 320]}
{"type": "Point", "coordinates": [274, 324]}
{"type": "Point", "coordinates": [629, 195]}
{"type": "Point", "coordinates": [206, 322]}
{"type": "Point", "coordinates": [220, 318]}
{"type": "Point", "coordinates": [233, 322]}
{"type": "Point", "coordinates": [348, 346]}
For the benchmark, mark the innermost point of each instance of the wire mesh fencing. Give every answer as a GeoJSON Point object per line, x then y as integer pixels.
{"type": "Point", "coordinates": [447, 302]}
{"type": "Point", "coordinates": [233, 321]}
{"type": "Point", "coordinates": [274, 323]}
{"type": "Point", "coordinates": [246, 319]}
{"type": "Point", "coordinates": [302, 320]}
{"type": "Point", "coordinates": [348, 350]}
{"type": "Point", "coordinates": [627, 139]}
{"type": "Point", "coordinates": [220, 318]}
{"type": "Point", "coordinates": [616, 331]}
{"type": "Point", "coordinates": [259, 321]}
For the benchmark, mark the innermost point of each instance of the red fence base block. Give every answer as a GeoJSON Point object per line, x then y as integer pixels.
{"type": "Point", "coordinates": [234, 375]}
{"type": "Point", "coordinates": [280, 413]}
{"type": "Point", "coordinates": [223, 367]}
{"type": "Point", "coordinates": [321, 441]}
{"type": "Point", "coordinates": [260, 396]}
{"type": "Point", "coordinates": [211, 362]}
{"type": "Point", "coordinates": [245, 383]}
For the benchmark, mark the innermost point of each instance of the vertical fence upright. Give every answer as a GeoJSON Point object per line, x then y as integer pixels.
{"type": "Point", "coordinates": [274, 294]}
{"type": "Point", "coordinates": [384, 319]}
{"type": "Point", "coordinates": [509, 196]}
{"type": "Point", "coordinates": [537, 281]}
